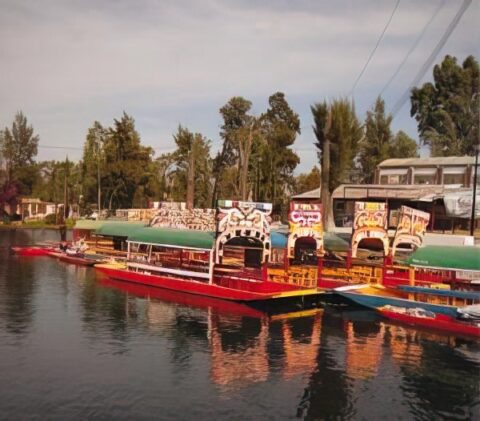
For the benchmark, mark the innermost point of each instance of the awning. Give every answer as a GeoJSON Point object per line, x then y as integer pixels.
{"type": "Point", "coordinates": [331, 241]}
{"type": "Point", "coordinates": [459, 204]}
{"type": "Point", "coordinates": [171, 237]}
{"type": "Point", "coordinates": [119, 228]}
{"type": "Point", "coordinates": [87, 224]}
{"type": "Point", "coordinates": [446, 257]}
{"type": "Point", "coordinates": [278, 240]}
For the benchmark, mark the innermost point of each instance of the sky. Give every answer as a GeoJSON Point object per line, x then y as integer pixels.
{"type": "Point", "coordinates": [66, 64]}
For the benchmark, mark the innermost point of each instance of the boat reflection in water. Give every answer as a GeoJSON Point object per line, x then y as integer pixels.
{"type": "Point", "coordinates": [238, 335]}
{"type": "Point", "coordinates": [331, 352]}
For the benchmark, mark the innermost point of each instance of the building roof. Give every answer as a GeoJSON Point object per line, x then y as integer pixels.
{"type": "Point", "coordinates": [312, 194]}
{"type": "Point", "coordinates": [393, 191]}
{"type": "Point", "coordinates": [426, 162]}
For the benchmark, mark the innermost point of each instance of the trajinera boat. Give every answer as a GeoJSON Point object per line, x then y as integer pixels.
{"type": "Point", "coordinates": [229, 262]}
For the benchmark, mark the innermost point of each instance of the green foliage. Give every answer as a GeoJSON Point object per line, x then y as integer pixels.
{"type": "Point", "coordinates": [375, 146]}
{"type": "Point", "coordinates": [255, 161]}
{"type": "Point", "coordinates": [237, 133]}
{"type": "Point", "coordinates": [280, 127]}
{"type": "Point", "coordinates": [127, 169]}
{"type": "Point", "coordinates": [403, 146]}
{"type": "Point", "coordinates": [447, 109]}
{"type": "Point", "coordinates": [18, 147]}
{"type": "Point", "coordinates": [343, 131]}
{"type": "Point", "coordinates": [380, 144]}
{"type": "Point", "coordinates": [191, 143]}
{"type": "Point", "coordinates": [92, 161]}
{"type": "Point", "coordinates": [307, 182]}
{"type": "Point", "coordinates": [50, 219]}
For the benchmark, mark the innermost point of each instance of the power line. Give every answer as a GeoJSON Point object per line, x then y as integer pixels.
{"type": "Point", "coordinates": [453, 24]}
{"type": "Point", "coordinates": [375, 48]}
{"type": "Point", "coordinates": [412, 48]}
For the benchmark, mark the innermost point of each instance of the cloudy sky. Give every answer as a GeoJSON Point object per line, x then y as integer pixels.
{"type": "Point", "coordinates": [66, 64]}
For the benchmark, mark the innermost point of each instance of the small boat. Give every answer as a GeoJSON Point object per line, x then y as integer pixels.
{"type": "Point", "coordinates": [438, 301]}
{"type": "Point", "coordinates": [31, 250]}
{"type": "Point", "coordinates": [420, 317]}
{"type": "Point", "coordinates": [77, 259]}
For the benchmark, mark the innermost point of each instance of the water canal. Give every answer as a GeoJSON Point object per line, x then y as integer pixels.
{"type": "Point", "coordinates": [74, 345]}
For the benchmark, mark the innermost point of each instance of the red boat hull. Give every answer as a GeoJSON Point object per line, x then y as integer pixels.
{"type": "Point", "coordinates": [244, 290]}
{"type": "Point", "coordinates": [440, 322]}
{"type": "Point", "coordinates": [190, 300]}
{"type": "Point", "coordinates": [31, 251]}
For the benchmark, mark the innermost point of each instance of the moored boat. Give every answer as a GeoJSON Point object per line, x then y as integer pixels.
{"type": "Point", "coordinates": [421, 317]}
{"type": "Point", "coordinates": [445, 302]}
{"type": "Point", "coordinates": [230, 264]}
{"type": "Point", "coordinates": [31, 250]}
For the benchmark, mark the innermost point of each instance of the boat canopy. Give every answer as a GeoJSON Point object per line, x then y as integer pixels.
{"type": "Point", "coordinates": [173, 237]}
{"type": "Point", "coordinates": [119, 228]}
{"type": "Point", "coordinates": [87, 224]}
{"type": "Point", "coordinates": [279, 240]}
{"type": "Point", "coordinates": [446, 257]}
{"type": "Point", "coordinates": [331, 241]}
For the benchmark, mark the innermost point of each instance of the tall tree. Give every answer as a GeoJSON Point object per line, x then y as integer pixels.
{"type": "Point", "coordinates": [92, 162]}
{"type": "Point", "coordinates": [238, 131]}
{"type": "Point", "coordinates": [128, 166]}
{"type": "Point", "coordinates": [403, 146]}
{"type": "Point", "coordinates": [447, 109]}
{"type": "Point", "coordinates": [18, 147]}
{"type": "Point", "coordinates": [280, 127]}
{"type": "Point", "coordinates": [375, 146]}
{"type": "Point", "coordinates": [192, 174]}
{"type": "Point", "coordinates": [308, 181]}
{"type": "Point", "coordinates": [338, 133]}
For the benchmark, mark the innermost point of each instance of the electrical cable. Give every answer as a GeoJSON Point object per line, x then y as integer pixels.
{"type": "Point", "coordinates": [375, 48]}
{"type": "Point", "coordinates": [453, 24]}
{"type": "Point", "coordinates": [412, 48]}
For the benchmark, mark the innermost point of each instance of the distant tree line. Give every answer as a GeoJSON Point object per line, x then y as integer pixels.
{"type": "Point", "coordinates": [255, 160]}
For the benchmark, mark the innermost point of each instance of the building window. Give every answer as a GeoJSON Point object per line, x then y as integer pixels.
{"type": "Point", "coordinates": [424, 179]}
{"type": "Point", "coordinates": [453, 179]}
{"type": "Point", "coordinates": [393, 179]}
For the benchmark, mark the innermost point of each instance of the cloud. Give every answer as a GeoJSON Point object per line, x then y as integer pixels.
{"type": "Point", "coordinates": [67, 64]}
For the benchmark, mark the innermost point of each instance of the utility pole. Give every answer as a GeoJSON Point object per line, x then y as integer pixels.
{"type": "Point", "coordinates": [325, 182]}
{"type": "Point", "coordinates": [191, 176]}
{"type": "Point", "coordinates": [475, 169]}
{"type": "Point", "coordinates": [65, 192]}
{"type": "Point", "coordinates": [99, 191]}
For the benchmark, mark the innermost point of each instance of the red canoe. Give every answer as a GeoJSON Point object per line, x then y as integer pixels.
{"type": "Point", "coordinates": [31, 251]}
{"type": "Point", "coordinates": [425, 318]}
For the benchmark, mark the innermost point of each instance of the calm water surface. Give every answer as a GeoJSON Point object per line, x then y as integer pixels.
{"type": "Point", "coordinates": [74, 345]}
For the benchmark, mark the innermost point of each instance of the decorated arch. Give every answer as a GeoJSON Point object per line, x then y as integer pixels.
{"type": "Point", "coordinates": [370, 222]}
{"type": "Point", "coordinates": [237, 219]}
{"type": "Point", "coordinates": [411, 228]}
{"type": "Point", "coordinates": [305, 221]}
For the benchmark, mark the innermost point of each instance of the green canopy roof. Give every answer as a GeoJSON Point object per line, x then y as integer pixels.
{"type": "Point", "coordinates": [119, 228]}
{"type": "Point", "coordinates": [446, 257]}
{"type": "Point", "coordinates": [87, 224]}
{"type": "Point", "coordinates": [173, 237]}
